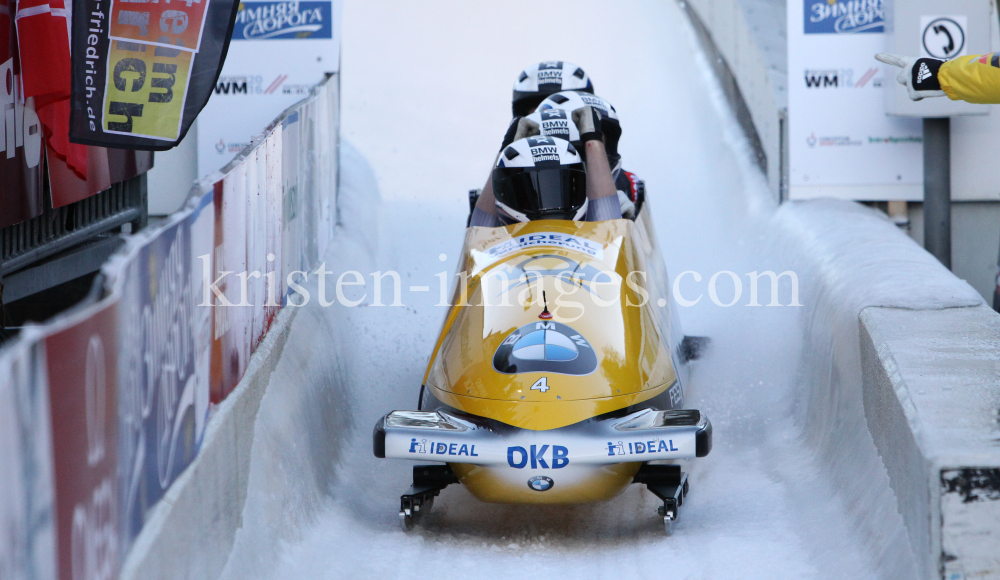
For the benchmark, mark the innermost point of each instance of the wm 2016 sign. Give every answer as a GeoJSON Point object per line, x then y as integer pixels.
{"type": "Point", "coordinates": [277, 20]}
{"type": "Point", "coordinates": [844, 16]}
{"type": "Point", "coordinates": [143, 69]}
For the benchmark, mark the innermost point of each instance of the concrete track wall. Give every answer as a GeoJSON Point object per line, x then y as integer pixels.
{"type": "Point", "coordinates": [932, 394]}
{"type": "Point", "coordinates": [906, 336]}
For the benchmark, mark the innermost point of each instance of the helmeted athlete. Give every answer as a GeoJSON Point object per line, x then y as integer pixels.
{"type": "Point", "coordinates": [545, 97]}
{"type": "Point", "coordinates": [538, 81]}
{"type": "Point", "coordinates": [589, 155]}
{"type": "Point", "coordinates": [626, 183]}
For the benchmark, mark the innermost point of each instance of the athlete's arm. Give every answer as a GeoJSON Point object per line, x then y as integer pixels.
{"type": "Point", "coordinates": [599, 181]}
{"type": "Point", "coordinates": [975, 79]}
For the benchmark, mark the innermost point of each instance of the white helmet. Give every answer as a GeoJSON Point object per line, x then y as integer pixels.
{"type": "Point", "coordinates": [570, 101]}
{"type": "Point", "coordinates": [545, 78]}
{"type": "Point", "coordinates": [555, 123]}
{"type": "Point", "coordinates": [540, 178]}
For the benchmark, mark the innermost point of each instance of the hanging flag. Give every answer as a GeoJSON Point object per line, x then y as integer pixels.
{"type": "Point", "coordinates": [142, 71]}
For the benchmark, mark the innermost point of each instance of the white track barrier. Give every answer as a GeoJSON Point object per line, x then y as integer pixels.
{"type": "Point", "coordinates": [103, 410]}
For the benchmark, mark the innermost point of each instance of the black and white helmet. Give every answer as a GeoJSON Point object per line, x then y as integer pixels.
{"type": "Point", "coordinates": [545, 78]}
{"type": "Point", "coordinates": [556, 123]}
{"type": "Point", "coordinates": [570, 101]}
{"type": "Point", "coordinates": [540, 178]}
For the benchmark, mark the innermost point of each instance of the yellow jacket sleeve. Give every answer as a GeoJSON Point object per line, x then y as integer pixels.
{"type": "Point", "coordinates": [975, 79]}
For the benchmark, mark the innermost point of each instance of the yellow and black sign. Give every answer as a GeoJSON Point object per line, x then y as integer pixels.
{"type": "Point", "coordinates": [143, 71]}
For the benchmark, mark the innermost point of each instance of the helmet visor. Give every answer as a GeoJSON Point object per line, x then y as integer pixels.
{"type": "Point", "coordinates": [545, 193]}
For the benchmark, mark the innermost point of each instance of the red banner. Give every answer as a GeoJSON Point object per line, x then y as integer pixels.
{"type": "Point", "coordinates": [82, 366]}
{"type": "Point", "coordinates": [230, 322]}
{"type": "Point", "coordinates": [21, 190]}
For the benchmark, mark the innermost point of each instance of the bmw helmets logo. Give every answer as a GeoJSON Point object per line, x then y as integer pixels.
{"type": "Point", "coordinates": [541, 483]}
{"type": "Point", "coordinates": [545, 346]}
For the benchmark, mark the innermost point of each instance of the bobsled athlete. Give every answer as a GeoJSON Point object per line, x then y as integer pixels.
{"type": "Point", "coordinates": [627, 184]}
{"type": "Point", "coordinates": [975, 79]}
{"type": "Point", "coordinates": [538, 81]}
{"type": "Point", "coordinates": [601, 197]}
{"type": "Point", "coordinates": [536, 84]}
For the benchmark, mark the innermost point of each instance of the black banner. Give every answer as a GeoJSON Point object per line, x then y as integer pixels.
{"type": "Point", "coordinates": [143, 71]}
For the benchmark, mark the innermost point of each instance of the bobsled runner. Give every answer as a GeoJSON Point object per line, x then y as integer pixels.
{"type": "Point", "coordinates": [558, 376]}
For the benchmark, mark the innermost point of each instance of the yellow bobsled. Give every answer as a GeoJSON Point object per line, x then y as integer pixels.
{"type": "Point", "coordinates": [558, 374]}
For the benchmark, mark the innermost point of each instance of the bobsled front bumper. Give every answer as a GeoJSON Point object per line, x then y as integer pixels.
{"type": "Point", "coordinates": [645, 435]}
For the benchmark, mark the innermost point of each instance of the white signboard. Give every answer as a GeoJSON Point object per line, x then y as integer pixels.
{"type": "Point", "coordinates": [840, 141]}
{"type": "Point", "coordinates": [279, 50]}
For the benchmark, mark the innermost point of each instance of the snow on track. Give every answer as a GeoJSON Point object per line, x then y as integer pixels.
{"type": "Point", "coordinates": [426, 90]}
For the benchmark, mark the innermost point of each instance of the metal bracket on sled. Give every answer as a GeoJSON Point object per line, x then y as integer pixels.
{"type": "Point", "coordinates": [428, 481]}
{"type": "Point", "coordinates": [668, 483]}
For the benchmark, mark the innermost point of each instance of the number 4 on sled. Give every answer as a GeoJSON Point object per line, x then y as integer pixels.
{"type": "Point", "coordinates": [541, 384]}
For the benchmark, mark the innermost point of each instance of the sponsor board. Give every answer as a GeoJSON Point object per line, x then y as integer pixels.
{"type": "Point", "coordinates": [280, 51]}
{"type": "Point", "coordinates": [83, 386]}
{"type": "Point", "coordinates": [27, 508]}
{"type": "Point", "coordinates": [163, 361]}
{"type": "Point", "coordinates": [839, 101]}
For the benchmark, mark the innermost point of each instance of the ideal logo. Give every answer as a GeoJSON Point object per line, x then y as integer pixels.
{"type": "Point", "coordinates": [844, 16]}
{"type": "Point", "coordinates": [437, 448]}
{"type": "Point", "coordinates": [518, 457]}
{"type": "Point", "coordinates": [284, 20]}
{"type": "Point", "coordinates": [641, 447]}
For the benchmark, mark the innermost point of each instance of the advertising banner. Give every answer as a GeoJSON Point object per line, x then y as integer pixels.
{"type": "Point", "coordinates": [280, 50]}
{"type": "Point", "coordinates": [275, 286]}
{"type": "Point", "coordinates": [27, 526]}
{"type": "Point", "coordinates": [841, 143]}
{"type": "Point", "coordinates": [82, 373]}
{"type": "Point", "coordinates": [142, 71]}
{"type": "Point", "coordinates": [21, 195]}
{"type": "Point", "coordinates": [164, 342]}
{"type": "Point", "coordinates": [293, 233]}
{"type": "Point", "coordinates": [230, 330]}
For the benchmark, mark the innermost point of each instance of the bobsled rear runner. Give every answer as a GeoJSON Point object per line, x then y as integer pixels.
{"type": "Point", "coordinates": [558, 374]}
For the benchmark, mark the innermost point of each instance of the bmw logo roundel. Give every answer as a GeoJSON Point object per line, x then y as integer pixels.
{"type": "Point", "coordinates": [547, 346]}
{"type": "Point", "coordinates": [541, 483]}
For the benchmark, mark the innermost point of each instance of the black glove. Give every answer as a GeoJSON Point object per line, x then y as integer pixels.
{"type": "Point", "coordinates": [919, 75]}
{"type": "Point", "coordinates": [520, 127]}
{"type": "Point", "coordinates": [588, 121]}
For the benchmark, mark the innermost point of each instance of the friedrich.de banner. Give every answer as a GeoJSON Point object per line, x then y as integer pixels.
{"type": "Point", "coordinates": [133, 65]}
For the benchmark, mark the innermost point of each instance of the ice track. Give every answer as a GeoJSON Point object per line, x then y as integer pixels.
{"type": "Point", "coordinates": [425, 103]}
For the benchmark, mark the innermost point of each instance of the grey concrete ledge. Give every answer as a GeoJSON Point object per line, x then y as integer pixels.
{"type": "Point", "coordinates": [191, 530]}
{"type": "Point", "coordinates": [932, 403]}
